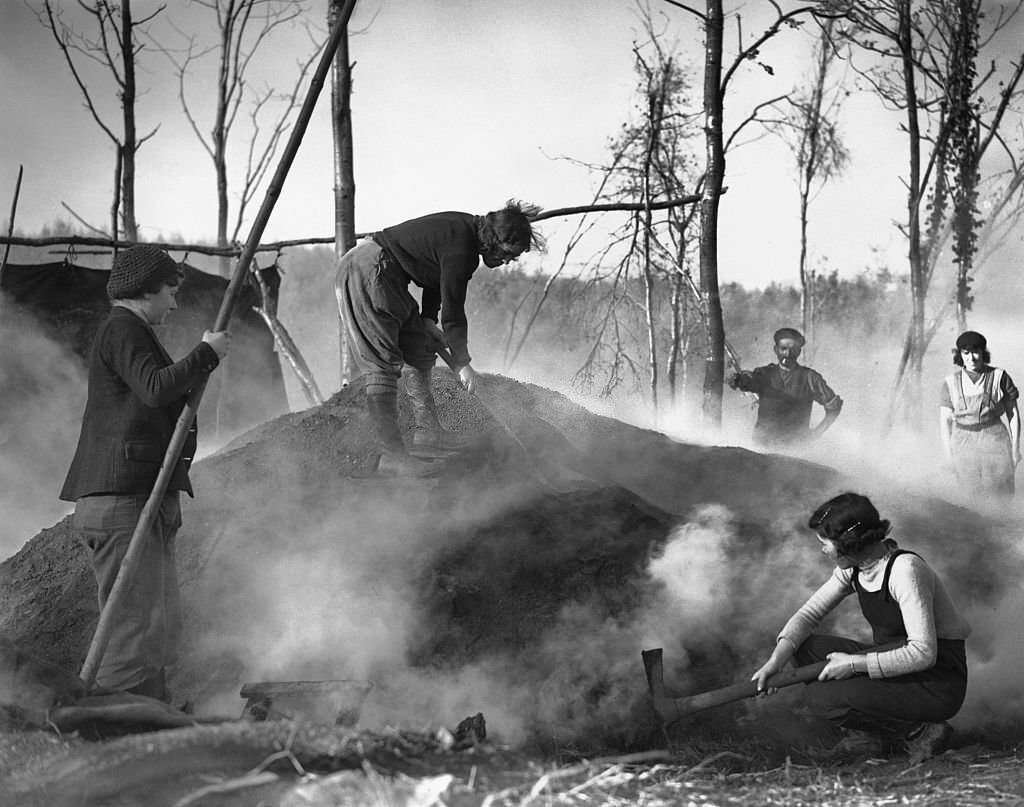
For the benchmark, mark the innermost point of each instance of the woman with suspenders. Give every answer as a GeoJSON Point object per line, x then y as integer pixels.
{"type": "Point", "coordinates": [894, 695]}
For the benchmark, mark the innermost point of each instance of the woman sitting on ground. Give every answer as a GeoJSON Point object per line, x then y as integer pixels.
{"type": "Point", "coordinates": [897, 693]}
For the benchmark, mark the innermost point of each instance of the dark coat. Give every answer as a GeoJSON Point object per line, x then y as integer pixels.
{"type": "Point", "coordinates": [136, 394]}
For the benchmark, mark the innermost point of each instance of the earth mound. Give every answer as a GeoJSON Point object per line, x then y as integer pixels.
{"type": "Point", "coordinates": [521, 582]}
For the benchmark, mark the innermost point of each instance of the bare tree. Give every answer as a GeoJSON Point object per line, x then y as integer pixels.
{"type": "Point", "coordinates": [110, 42]}
{"type": "Point", "coordinates": [808, 126]}
{"type": "Point", "coordinates": [650, 162]}
{"type": "Point", "coordinates": [717, 78]}
{"type": "Point", "coordinates": [245, 28]}
{"type": "Point", "coordinates": [952, 117]}
{"type": "Point", "coordinates": [642, 297]}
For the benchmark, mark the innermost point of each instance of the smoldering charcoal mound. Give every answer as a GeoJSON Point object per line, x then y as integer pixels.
{"type": "Point", "coordinates": [517, 582]}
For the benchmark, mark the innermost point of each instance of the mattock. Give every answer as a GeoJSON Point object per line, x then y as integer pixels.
{"type": "Point", "coordinates": [670, 709]}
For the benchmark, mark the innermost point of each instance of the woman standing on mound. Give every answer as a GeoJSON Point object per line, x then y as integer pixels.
{"type": "Point", "coordinates": [897, 693]}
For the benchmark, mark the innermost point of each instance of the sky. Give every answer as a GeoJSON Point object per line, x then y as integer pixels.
{"type": "Point", "coordinates": [457, 104]}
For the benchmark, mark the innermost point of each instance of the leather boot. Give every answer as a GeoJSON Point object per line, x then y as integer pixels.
{"type": "Point", "coordinates": [394, 459]}
{"type": "Point", "coordinates": [429, 438]}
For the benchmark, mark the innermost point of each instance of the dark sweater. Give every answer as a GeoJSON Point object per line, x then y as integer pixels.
{"type": "Point", "coordinates": [136, 394]}
{"type": "Point", "coordinates": [439, 253]}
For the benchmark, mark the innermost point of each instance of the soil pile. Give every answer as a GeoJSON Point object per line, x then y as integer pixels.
{"type": "Point", "coordinates": [521, 582]}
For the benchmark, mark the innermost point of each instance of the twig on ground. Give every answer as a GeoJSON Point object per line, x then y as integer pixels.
{"type": "Point", "coordinates": [239, 783]}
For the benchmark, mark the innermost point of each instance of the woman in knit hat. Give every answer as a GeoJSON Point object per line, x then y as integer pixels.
{"type": "Point", "coordinates": [136, 394]}
{"type": "Point", "coordinates": [979, 421]}
{"type": "Point", "coordinates": [895, 694]}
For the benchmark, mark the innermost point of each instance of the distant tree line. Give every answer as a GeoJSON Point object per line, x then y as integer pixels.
{"type": "Point", "coordinates": [652, 304]}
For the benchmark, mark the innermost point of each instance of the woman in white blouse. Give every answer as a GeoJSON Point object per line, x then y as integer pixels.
{"type": "Point", "coordinates": [979, 422]}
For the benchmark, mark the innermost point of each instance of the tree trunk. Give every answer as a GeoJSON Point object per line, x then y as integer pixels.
{"type": "Point", "coordinates": [678, 300]}
{"type": "Point", "coordinates": [918, 281]}
{"type": "Point", "coordinates": [714, 368]}
{"type": "Point", "coordinates": [131, 230]}
{"type": "Point", "coordinates": [115, 204]}
{"type": "Point", "coordinates": [964, 145]}
{"type": "Point", "coordinates": [344, 162]}
{"type": "Point", "coordinates": [806, 277]}
{"type": "Point", "coordinates": [219, 137]}
{"type": "Point", "coordinates": [655, 111]}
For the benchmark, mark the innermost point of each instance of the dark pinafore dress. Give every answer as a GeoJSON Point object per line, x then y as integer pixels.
{"type": "Point", "coordinates": [886, 704]}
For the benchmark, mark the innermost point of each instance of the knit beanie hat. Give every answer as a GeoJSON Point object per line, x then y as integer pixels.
{"type": "Point", "coordinates": [135, 267]}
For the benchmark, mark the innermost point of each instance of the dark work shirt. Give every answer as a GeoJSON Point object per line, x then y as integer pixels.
{"type": "Point", "coordinates": [439, 253]}
{"type": "Point", "coordinates": [785, 399]}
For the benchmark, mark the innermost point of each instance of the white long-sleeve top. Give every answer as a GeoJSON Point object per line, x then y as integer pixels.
{"type": "Point", "coordinates": [928, 612]}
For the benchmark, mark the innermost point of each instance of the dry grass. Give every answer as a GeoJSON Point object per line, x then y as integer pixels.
{"type": "Point", "coordinates": [957, 778]}
{"type": "Point", "coordinates": [738, 773]}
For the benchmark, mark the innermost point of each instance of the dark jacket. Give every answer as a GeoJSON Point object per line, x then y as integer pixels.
{"type": "Point", "coordinates": [136, 394]}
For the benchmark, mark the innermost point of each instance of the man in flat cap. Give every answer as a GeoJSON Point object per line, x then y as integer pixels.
{"type": "Point", "coordinates": [979, 422]}
{"type": "Point", "coordinates": [786, 392]}
{"type": "Point", "coordinates": [136, 394]}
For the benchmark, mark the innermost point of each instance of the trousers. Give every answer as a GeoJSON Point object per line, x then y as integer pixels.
{"type": "Point", "coordinates": [886, 704]}
{"type": "Point", "coordinates": [147, 626]}
{"type": "Point", "coordinates": [381, 317]}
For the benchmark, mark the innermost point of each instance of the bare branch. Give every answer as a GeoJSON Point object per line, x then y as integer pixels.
{"type": "Point", "coordinates": [752, 117]}
{"type": "Point", "coordinates": [62, 36]}
{"type": "Point", "coordinates": [81, 221]}
{"type": "Point", "coordinates": [617, 206]}
{"type": "Point", "coordinates": [689, 9]}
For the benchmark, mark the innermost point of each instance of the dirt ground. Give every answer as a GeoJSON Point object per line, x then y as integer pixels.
{"type": "Point", "coordinates": [521, 582]}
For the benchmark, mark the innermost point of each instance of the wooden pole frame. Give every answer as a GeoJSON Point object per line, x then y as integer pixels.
{"type": "Point", "coordinates": [277, 246]}
{"type": "Point", "coordinates": [130, 563]}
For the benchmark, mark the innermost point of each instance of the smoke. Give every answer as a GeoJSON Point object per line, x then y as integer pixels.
{"type": "Point", "coordinates": [43, 397]}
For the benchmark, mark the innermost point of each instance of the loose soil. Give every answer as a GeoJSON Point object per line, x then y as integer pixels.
{"type": "Point", "coordinates": [519, 583]}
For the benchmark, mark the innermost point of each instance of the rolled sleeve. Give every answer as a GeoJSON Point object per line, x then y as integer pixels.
{"type": "Point", "coordinates": [823, 393]}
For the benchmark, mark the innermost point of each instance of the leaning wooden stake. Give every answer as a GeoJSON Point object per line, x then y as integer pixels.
{"type": "Point", "coordinates": [131, 559]}
{"type": "Point", "coordinates": [10, 224]}
{"type": "Point", "coordinates": [286, 347]}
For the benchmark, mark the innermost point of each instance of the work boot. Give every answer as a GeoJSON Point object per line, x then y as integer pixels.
{"type": "Point", "coordinates": [394, 459]}
{"type": "Point", "coordinates": [429, 437]}
{"type": "Point", "coordinates": [857, 744]}
{"type": "Point", "coordinates": [928, 740]}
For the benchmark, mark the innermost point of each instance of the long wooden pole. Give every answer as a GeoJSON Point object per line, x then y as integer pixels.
{"type": "Point", "coordinates": [131, 559]}
{"type": "Point", "coordinates": [10, 224]}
